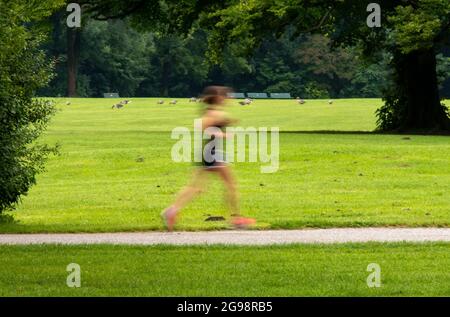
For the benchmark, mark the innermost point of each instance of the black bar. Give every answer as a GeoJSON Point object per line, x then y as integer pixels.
{"type": "Point", "coordinates": [230, 305]}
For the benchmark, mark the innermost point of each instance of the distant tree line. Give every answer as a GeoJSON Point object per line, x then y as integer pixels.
{"type": "Point", "coordinates": [111, 56]}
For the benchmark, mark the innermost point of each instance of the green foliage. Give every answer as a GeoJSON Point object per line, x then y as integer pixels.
{"type": "Point", "coordinates": [114, 56]}
{"type": "Point", "coordinates": [23, 69]}
{"type": "Point", "coordinates": [443, 68]}
{"type": "Point", "coordinates": [368, 81]}
{"type": "Point", "coordinates": [175, 67]}
{"type": "Point", "coordinates": [307, 66]}
{"type": "Point", "coordinates": [389, 115]}
{"type": "Point", "coordinates": [417, 24]}
{"type": "Point", "coordinates": [443, 73]}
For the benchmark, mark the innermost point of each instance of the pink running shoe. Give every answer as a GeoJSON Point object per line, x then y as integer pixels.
{"type": "Point", "coordinates": [242, 222]}
{"type": "Point", "coordinates": [169, 217]}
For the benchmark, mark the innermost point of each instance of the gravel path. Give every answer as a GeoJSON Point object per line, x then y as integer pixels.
{"type": "Point", "coordinates": [237, 237]}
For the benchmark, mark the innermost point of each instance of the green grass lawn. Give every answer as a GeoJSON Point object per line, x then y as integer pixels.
{"type": "Point", "coordinates": [348, 177]}
{"type": "Point", "coordinates": [293, 270]}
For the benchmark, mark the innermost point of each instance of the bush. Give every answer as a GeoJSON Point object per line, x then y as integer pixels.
{"type": "Point", "coordinates": [23, 69]}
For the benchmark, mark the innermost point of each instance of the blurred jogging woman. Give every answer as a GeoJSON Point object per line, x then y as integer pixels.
{"type": "Point", "coordinates": [213, 162]}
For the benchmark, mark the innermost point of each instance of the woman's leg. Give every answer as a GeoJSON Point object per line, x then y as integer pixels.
{"type": "Point", "coordinates": [194, 188]}
{"type": "Point", "coordinates": [231, 196]}
{"type": "Point", "coordinates": [185, 196]}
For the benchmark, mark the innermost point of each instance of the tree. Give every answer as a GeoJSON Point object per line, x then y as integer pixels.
{"type": "Point", "coordinates": [73, 54]}
{"type": "Point", "coordinates": [306, 66]}
{"type": "Point", "coordinates": [23, 69]}
{"type": "Point", "coordinates": [419, 30]}
{"type": "Point", "coordinates": [113, 57]}
{"type": "Point", "coordinates": [332, 69]}
{"type": "Point", "coordinates": [67, 50]}
{"type": "Point", "coordinates": [176, 66]}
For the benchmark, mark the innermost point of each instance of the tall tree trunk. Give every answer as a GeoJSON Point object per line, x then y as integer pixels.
{"type": "Point", "coordinates": [418, 80]}
{"type": "Point", "coordinates": [73, 50]}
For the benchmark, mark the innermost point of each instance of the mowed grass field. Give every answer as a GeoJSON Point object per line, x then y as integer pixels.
{"type": "Point", "coordinates": [292, 270]}
{"type": "Point", "coordinates": [115, 171]}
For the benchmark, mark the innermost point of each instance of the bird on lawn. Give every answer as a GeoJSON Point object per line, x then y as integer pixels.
{"type": "Point", "coordinates": [247, 101]}
{"type": "Point", "coordinates": [117, 106]}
